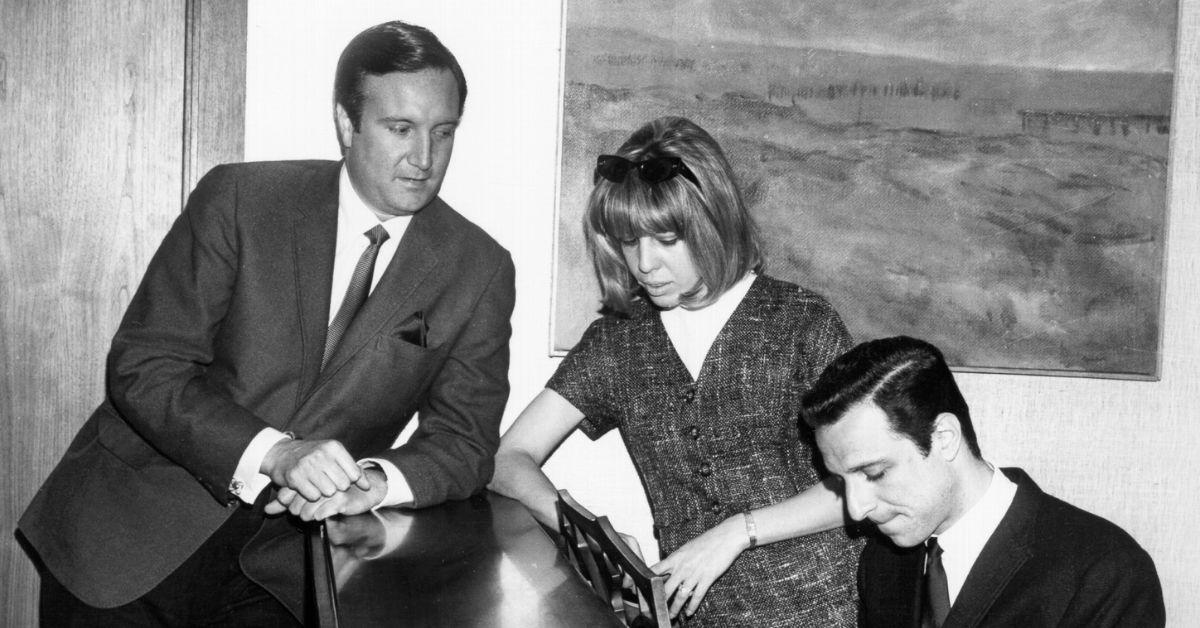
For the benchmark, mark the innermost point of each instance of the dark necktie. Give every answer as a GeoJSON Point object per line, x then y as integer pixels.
{"type": "Point", "coordinates": [356, 292]}
{"type": "Point", "coordinates": [935, 603]}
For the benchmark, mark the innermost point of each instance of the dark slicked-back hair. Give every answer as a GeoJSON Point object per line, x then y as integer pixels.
{"type": "Point", "coordinates": [386, 48]}
{"type": "Point", "coordinates": [907, 378]}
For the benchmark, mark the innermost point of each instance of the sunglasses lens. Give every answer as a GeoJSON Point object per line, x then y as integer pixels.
{"type": "Point", "coordinates": [657, 170]}
{"type": "Point", "coordinates": [652, 170]}
{"type": "Point", "coordinates": [612, 168]}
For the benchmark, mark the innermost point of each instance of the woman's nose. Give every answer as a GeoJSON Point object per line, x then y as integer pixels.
{"type": "Point", "coordinates": [647, 256]}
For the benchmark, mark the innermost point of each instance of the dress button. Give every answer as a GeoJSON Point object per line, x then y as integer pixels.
{"type": "Point", "coordinates": [694, 432]}
{"type": "Point", "coordinates": [705, 469]}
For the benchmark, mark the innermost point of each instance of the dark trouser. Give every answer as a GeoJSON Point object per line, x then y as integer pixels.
{"type": "Point", "coordinates": [208, 589]}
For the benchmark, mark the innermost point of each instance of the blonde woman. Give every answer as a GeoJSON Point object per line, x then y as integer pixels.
{"type": "Point", "coordinates": [700, 362]}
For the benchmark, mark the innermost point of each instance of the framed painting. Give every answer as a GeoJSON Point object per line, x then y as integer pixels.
{"type": "Point", "coordinates": [989, 175]}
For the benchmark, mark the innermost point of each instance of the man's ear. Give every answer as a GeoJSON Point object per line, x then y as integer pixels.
{"type": "Point", "coordinates": [946, 439]}
{"type": "Point", "coordinates": [345, 127]}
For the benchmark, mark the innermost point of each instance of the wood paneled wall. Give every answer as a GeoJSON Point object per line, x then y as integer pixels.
{"type": "Point", "coordinates": [95, 157]}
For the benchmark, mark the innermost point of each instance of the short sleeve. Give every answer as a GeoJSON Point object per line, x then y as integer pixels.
{"type": "Point", "coordinates": [824, 336]}
{"type": "Point", "coordinates": [587, 379]}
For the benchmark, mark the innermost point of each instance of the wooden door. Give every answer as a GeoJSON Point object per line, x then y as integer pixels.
{"type": "Point", "coordinates": [109, 111]}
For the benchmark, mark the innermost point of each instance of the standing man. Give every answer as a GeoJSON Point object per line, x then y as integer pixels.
{"type": "Point", "coordinates": [294, 319]}
{"type": "Point", "coordinates": [961, 542]}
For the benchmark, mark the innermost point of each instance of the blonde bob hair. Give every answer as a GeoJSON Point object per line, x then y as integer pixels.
{"type": "Point", "coordinates": [711, 217]}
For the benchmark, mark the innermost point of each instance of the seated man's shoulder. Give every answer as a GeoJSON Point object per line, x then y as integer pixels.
{"type": "Point", "coordinates": [1115, 580]}
{"type": "Point", "coordinates": [1073, 540]}
{"type": "Point", "coordinates": [1076, 536]}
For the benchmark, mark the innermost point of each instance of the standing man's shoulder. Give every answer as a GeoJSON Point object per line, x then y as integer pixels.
{"type": "Point", "coordinates": [263, 189]}
{"type": "Point", "coordinates": [268, 174]}
{"type": "Point", "coordinates": [469, 238]}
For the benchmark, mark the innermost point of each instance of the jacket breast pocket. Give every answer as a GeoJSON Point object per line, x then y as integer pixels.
{"type": "Point", "coordinates": [397, 359]}
{"type": "Point", "coordinates": [414, 330]}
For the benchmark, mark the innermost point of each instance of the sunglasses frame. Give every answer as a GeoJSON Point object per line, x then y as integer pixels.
{"type": "Point", "coordinates": [615, 168]}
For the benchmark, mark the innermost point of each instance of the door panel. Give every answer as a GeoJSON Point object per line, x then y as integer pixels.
{"type": "Point", "coordinates": [92, 153]}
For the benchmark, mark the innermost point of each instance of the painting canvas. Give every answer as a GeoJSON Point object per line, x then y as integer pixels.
{"type": "Point", "coordinates": [989, 175]}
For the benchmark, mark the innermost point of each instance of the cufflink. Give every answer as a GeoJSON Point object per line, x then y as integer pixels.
{"type": "Point", "coordinates": [236, 486]}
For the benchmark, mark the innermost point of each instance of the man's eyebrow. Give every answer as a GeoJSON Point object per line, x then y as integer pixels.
{"type": "Point", "coordinates": [404, 120]}
{"type": "Point", "coordinates": [862, 466]}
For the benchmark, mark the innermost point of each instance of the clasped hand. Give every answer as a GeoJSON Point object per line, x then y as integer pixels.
{"type": "Point", "coordinates": [318, 479]}
{"type": "Point", "coordinates": [698, 563]}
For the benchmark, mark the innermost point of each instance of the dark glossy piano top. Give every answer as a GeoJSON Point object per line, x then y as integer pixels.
{"type": "Point", "coordinates": [480, 562]}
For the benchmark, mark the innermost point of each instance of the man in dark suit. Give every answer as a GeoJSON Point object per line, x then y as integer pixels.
{"type": "Point", "coordinates": [961, 543]}
{"type": "Point", "coordinates": [294, 319]}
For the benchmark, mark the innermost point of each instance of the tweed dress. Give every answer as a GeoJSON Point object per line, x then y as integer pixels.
{"type": "Point", "coordinates": [725, 443]}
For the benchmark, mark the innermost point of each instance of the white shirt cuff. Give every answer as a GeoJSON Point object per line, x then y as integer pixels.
{"type": "Point", "coordinates": [247, 482]}
{"type": "Point", "coordinates": [399, 493]}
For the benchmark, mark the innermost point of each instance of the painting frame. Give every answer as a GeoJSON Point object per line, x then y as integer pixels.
{"type": "Point", "coordinates": [1139, 134]}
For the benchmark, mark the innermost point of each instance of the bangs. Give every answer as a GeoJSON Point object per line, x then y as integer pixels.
{"type": "Point", "coordinates": [633, 209]}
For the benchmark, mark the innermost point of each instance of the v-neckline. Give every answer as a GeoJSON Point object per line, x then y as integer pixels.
{"type": "Point", "coordinates": [660, 331]}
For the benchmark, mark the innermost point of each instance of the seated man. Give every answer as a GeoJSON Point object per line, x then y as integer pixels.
{"type": "Point", "coordinates": [961, 542]}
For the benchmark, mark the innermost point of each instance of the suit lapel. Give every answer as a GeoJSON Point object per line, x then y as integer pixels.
{"type": "Point", "coordinates": [415, 259]}
{"type": "Point", "coordinates": [889, 581]}
{"type": "Point", "coordinates": [314, 240]}
{"type": "Point", "coordinates": [1010, 546]}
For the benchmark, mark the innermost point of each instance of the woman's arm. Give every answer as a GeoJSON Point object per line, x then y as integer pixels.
{"type": "Point", "coordinates": [699, 562]}
{"type": "Point", "coordinates": [539, 429]}
{"type": "Point", "coordinates": [816, 509]}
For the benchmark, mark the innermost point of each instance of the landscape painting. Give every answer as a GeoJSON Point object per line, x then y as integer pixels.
{"type": "Point", "coordinates": [989, 175]}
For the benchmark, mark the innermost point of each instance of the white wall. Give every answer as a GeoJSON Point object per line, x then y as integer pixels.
{"type": "Point", "coordinates": [1121, 449]}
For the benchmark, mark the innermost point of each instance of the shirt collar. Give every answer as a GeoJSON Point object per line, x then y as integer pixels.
{"type": "Point", "coordinates": [354, 216]}
{"type": "Point", "coordinates": [963, 541]}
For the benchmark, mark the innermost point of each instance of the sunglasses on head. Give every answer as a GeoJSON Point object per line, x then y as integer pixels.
{"type": "Point", "coordinates": [651, 170]}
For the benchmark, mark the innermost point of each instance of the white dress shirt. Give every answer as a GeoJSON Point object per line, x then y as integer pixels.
{"type": "Point", "coordinates": [962, 542]}
{"type": "Point", "coordinates": [354, 220]}
{"type": "Point", "coordinates": [692, 332]}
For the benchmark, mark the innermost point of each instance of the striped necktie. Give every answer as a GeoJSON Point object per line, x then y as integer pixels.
{"type": "Point", "coordinates": [356, 292]}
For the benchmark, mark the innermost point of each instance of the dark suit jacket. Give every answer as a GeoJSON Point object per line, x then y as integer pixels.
{"type": "Point", "coordinates": [225, 336]}
{"type": "Point", "coordinates": [1047, 564]}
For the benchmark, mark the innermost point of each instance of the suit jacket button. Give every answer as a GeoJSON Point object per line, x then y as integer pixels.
{"type": "Point", "coordinates": [705, 469]}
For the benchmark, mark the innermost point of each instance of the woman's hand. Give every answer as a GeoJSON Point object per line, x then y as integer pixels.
{"type": "Point", "coordinates": [695, 566]}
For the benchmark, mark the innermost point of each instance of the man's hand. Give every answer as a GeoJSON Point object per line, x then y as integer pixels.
{"type": "Point", "coordinates": [351, 501]}
{"type": "Point", "coordinates": [313, 468]}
